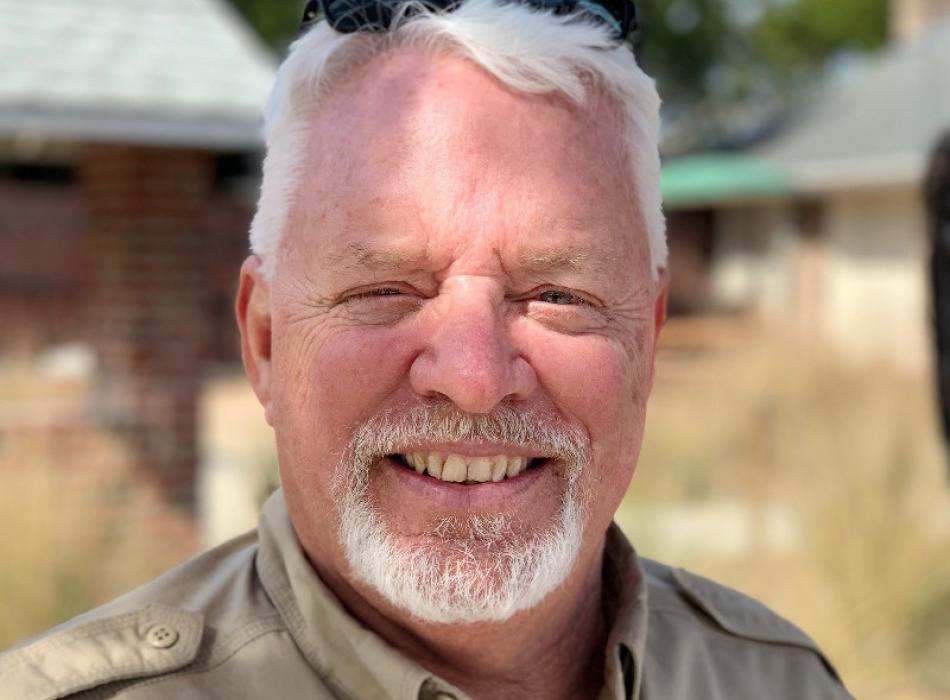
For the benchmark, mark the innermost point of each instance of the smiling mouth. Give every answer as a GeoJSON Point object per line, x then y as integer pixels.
{"type": "Point", "coordinates": [457, 469]}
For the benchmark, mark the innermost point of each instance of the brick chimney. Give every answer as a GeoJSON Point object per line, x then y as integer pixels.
{"type": "Point", "coordinates": [909, 18]}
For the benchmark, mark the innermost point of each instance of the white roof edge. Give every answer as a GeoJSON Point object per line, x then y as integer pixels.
{"type": "Point", "coordinates": [210, 132]}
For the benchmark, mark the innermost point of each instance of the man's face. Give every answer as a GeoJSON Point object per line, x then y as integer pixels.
{"type": "Point", "coordinates": [465, 273]}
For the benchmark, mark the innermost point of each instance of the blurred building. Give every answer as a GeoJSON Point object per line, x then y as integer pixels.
{"type": "Point", "coordinates": [824, 227]}
{"type": "Point", "coordinates": [129, 137]}
{"type": "Point", "coordinates": [128, 169]}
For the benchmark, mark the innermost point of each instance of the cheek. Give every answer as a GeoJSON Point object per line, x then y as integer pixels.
{"type": "Point", "coordinates": [347, 375]}
{"type": "Point", "coordinates": [592, 378]}
{"type": "Point", "coordinates": [598, 383]}
{"type": "Point", "coordinates": [328, 381]}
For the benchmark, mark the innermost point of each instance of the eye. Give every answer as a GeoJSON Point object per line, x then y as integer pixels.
{"type": "Point", "coordinates": [381, 304]}
{"type": "Point", "coordinates": [383, 292]}
{"type": "Point", "coordinates": [560, 297]}
{"type": "Point", "coordinates": [375, 293]}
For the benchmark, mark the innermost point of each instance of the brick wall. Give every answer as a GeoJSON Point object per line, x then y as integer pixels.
{"type": "Point", "coordinates": [41, 268]}
{"type": "Point", "coordinates": [151, 310]}
{"type": "Point", "coordinates": [226, 222]}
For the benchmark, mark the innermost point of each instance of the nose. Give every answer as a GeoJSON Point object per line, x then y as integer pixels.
{"type": "Point", "coordinates": [468, 357]}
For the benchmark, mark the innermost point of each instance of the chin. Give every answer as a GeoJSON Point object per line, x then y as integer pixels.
{"type": "Point", "coordinates": [469, 569]}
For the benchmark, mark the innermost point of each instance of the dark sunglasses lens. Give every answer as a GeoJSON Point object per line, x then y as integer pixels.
{"type": "Point", "coordinates": [558, 7]}
{"type": "Point", "coordinates": [349, 16]}
{"type": "Point", "coordinates": [625, 12]}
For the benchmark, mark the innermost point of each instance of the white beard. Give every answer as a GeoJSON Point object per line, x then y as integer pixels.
{"type": "Point", "coordinates": [470, 569]}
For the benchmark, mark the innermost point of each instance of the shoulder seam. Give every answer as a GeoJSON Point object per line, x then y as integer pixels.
{"type": "Point", "coordinates": [758, 623]}
{"type": "Point", "coordinates": [685, 614]}
{"type": "Point", "coordinates": [233, 642]}
{"type": "Point", "coordinates": [750, 619]}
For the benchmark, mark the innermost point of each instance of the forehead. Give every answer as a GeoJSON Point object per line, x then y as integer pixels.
{"type": "Point", "coordinates": [415, 143]}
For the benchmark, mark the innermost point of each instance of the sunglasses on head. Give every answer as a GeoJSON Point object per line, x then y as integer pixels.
{"type": "Point", "coordinates": [348, 16]}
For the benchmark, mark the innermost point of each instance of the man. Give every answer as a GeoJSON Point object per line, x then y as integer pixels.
{"type": "Point", "coordinates": [450, 319]}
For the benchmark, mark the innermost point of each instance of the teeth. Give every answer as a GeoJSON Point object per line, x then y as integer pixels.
{"type": "Point", "coordinates": [458, 469]}
{"type": "Point", "coordinates": [454, 469]}
{"type": "Point", "coordinates": [515, 465]}
{"type": "Point", "coordinates": [479, 469]}
{"type": "Point", "coordinates": [499, 467]}
{"type": "Point", "coordinates": [434, 465]}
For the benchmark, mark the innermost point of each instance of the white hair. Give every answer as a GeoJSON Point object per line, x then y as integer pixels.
{"type": "Point", "coordinates": [475, 568]}
{"type": "Point", "coordinates": [530, 50]}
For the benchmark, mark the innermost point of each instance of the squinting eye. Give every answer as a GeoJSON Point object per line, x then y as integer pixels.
{"type": "Point", "coordinates": [560, 297]}
{"type": "Point", "coordinates": [379, 292]}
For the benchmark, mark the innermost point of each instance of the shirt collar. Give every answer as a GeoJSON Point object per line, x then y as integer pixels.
{"type": "Point", "coordinates": [348, 657]}
{"type": "Point", "coordinates": [358, 663]}
{"type": "Point", "coordinates": [625, 609]}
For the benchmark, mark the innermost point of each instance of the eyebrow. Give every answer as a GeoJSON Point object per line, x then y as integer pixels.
{"type": "Point", "coordinates": [541, 261]}
{"type": "Point", "coordinates": [356, 256]}
{"type": "Point", "coordinates": [583, 258]}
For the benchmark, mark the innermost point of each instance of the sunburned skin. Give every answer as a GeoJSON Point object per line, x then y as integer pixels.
{"type": "Point", "coordinates": [454, 241]}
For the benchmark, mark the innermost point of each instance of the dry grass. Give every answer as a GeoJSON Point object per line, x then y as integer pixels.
{"type": "Point", "coordinates": [853, 455]}
{"type": "Point", "coordinates": [76, 528]}
{"type": "Point", "coordinates": [850, 454]}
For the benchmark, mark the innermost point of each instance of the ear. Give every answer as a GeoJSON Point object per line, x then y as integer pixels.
{"type": "Point", "coordinates": [659, 308]}
{"type": "Point", "coordinates": [252, 308]}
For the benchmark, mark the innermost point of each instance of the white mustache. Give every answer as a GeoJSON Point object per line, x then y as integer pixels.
{"type": "Point", "coordinates": [441, 422]}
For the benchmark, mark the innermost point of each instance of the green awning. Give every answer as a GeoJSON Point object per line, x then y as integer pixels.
{"type": "Point", "coordinates": [713, 178]}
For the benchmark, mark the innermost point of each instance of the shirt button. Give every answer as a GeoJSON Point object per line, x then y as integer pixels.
{"type": "Point", "coordinates": [161, 636]}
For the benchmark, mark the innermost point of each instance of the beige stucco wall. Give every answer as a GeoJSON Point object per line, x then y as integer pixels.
{"type": "Point", "coordinates": [751, 258]}
{"type": "Point", "coordinates": [849, 268]}
{"type": "Point", "coordinates": [876, 302]}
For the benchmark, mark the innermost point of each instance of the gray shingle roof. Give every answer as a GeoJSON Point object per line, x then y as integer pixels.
{"type": "Point", "coordinates": [183, 72]}
{"type": "Point", "coordinates": [878, 126]}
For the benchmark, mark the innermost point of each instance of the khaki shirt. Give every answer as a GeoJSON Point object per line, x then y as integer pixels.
{"type": "Point", "coordinates": [251, 619]}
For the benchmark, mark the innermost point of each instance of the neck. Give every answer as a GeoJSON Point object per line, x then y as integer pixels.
{"type": "Point", "coordinates": [555, 650]}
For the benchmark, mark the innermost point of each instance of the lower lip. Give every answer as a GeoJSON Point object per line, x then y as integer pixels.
{"type": "Point", "coordinates": [464, 496]}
